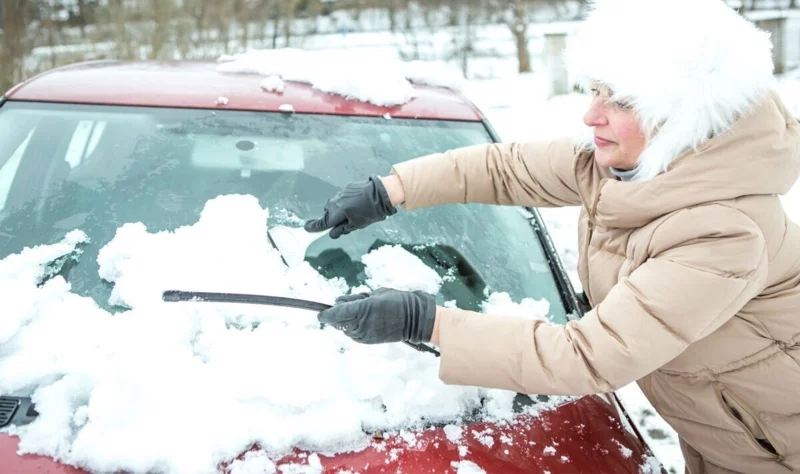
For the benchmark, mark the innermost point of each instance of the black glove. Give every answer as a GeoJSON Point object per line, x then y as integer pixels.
{"type": "Point", "coordinates": [358, 205]}
{"type": "Point", "coordinates": [386, 315]}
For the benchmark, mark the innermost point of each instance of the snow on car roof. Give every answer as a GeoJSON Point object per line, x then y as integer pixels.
{"type": "Point", "coordinates": [224, 85]}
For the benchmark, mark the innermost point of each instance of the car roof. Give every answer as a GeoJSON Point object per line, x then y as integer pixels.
{"type": "Point", "coordinates": [198, 84]}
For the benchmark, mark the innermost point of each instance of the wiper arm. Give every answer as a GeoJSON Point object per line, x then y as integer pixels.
{"type": "Point", "coordinates": [177, 295]}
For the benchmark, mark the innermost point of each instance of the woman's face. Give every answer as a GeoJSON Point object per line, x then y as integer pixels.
{"type": "Point", "coordinates": [618, 138]}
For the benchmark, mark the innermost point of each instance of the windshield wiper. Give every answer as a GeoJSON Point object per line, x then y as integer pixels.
{"type": "Point", "coordinates": [177, 295]}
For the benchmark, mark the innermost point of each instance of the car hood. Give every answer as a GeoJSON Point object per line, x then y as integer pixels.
{"type": "Point", "coordinates": [586, 435]}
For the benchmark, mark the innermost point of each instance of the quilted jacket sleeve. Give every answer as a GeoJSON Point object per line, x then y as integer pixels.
{"type": "Point", "coordinates": [698, 276]}
{"type": "Point", "coordinates": [537, 174]}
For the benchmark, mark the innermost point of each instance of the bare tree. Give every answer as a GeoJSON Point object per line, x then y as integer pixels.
{"type": "Point", "coordinates": [391, 10]}
{"type": "Point", "coordinates": [356, 10]}
{"type": "Point", "coordinates": [276, 20]}
{"type": "Point", "coordinates": [270, 12]}
{"type": "Point", "coordinates": [454, 9]}
{"type": "Point", "coordinates": [49, 30]}
{"type": "Point", "coordinates": [118, 18]}
{"type": "Point", "coordinates": [467, 46]}
{"type": "Point", "coordinates": [289, 8]}
{"type": "Point", "coordinates": [427, 12]}
{"type": "Point", "coordinates": [160, 39]}
{"type": "Point", "coordinates": [408, 6]}
{"type": "Point", "coordinates": [314, 10]}
{"type": "Point", "coordinates": [514, 13]}
{"type": "Point", "coordinates": [220, 15]}
{"type": "Point", "coordinates": [15, 20]}
{"type": "Point", "coordinates": [198, 10]}
{"type": "Point", "coordinates": [241, 10]}
{"type": "Point", "coordinates": [83, 13]}
{"type": "Point", "coordinates": [519, 28]}
{"type": "Point", "coordinates": [183, 29]}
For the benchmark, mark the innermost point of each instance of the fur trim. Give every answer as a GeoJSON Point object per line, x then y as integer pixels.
{"type": "Point", "coordinates": [689, 68]}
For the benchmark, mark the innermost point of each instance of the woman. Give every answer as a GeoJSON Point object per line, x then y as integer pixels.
{"type": "Point", "coordinates": [686, 255]}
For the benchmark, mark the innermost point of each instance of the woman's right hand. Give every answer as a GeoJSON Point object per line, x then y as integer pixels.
{"type": "Point", "coordinates": [358, 205]}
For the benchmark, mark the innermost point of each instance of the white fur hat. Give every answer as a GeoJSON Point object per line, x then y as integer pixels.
{"type": "Point", "coordinates": [689, 68]}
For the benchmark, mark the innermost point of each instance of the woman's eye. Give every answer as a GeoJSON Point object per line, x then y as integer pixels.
{"type": "Point", "coordinates": [623, 105]}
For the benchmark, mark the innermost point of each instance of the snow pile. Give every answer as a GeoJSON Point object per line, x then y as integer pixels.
{"type": "Point", "coordinates": [273, 84]}
{"type": "Point", "coordinates": [484, 437]}
{"type": "Point", "coordinates": [115, 391]}
{"type": "Point", "coordinates": [651, 465]}
{"type": "Point", "coordinates": [453, 433]}
{"type": "Point", "coordinates": [257, 462]}
{"type": "Point", "coordinates": [254, 462]}
{"type": "Point", "coordinates": [500, 405]}
{"type": "Point", "coordinates": [227, 250]}
{"type": "Point", "coordinates": [626, 452]}
{"type": "Point", "coordinates": [314, 466]}
{"type": "Point", "coordinates": [394, 267]}
{"type": "Point", "coordinates": [21, 273]}
{"type": "Point", "coordinates": [382, 80]}
{"type": "Point", "coordinates": [467, 467]}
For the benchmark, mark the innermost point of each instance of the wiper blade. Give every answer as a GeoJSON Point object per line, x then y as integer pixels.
{"type": "Point", "coordinates": [177, 295]}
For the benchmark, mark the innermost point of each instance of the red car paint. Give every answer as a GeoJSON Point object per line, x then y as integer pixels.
{"type": "Point", "coordinates": [588, 435]}
{"type": "Point", "coordinates": [582, 436]}
{"type": "Point", "coordinates": [199, 85]}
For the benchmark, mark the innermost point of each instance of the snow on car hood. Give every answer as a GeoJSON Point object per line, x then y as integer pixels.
{"type": "Point", "coordinates": [182, 387]}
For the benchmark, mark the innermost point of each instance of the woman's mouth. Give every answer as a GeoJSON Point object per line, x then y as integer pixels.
{"type": "Point", "coordinates": [602, 142]}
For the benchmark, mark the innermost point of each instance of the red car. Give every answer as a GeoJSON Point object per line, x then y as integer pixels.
{"type": "Point", "coordinates": [154, 128]}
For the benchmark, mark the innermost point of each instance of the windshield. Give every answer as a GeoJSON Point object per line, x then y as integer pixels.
{"type": "Point", "coordinates": [95, 168]}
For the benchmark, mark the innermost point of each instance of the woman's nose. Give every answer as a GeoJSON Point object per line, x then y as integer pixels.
{"type": "Point", "coordinates": [596, 115]}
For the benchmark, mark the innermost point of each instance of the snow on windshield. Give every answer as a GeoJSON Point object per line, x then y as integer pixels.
{"type": "Point", "coordinates": [182, 387]}
{"type": "Point", "coordinates": [19, 275]}
{"type": "Point", "coordinates": [381, 80]}
{"type": "Point", "coordinates": [394, 267]}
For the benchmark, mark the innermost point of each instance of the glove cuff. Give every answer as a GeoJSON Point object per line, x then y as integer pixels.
{"type": "Point", "coordinates": [422, 331]}
{"type": "Point", "coordinates": [384, 202]}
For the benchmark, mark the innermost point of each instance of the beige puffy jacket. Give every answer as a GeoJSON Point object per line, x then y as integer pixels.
{"type": "Point", "coordinates": [694, 277]}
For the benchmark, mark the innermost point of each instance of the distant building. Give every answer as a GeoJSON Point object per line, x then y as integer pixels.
{"type": "Point", "coordinates": [784, 28]}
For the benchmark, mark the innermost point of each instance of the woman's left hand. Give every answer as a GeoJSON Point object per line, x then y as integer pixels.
{"type": "Point", "coordinates": [386, 315]}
